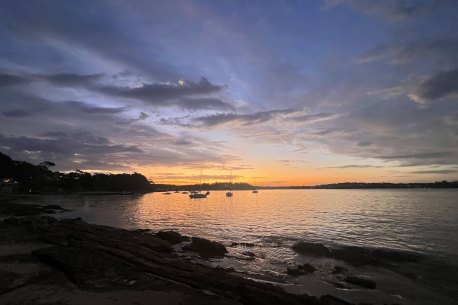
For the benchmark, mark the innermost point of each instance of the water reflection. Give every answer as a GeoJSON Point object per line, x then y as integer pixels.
{"type": "Point", "coordinates": [420, 220]}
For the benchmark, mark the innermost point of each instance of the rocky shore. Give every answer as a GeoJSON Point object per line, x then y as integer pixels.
{"type": "Point", "coordinates": [48, 261]}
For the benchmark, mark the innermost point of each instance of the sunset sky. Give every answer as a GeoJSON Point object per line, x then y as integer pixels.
{"type": "Point", "coordinates": [284, 92]}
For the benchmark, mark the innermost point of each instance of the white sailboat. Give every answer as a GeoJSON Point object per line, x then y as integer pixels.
{"type": "Point", "coordinates": [255, 191]}
{"type": "Point", "coordinates": [199, 194]}
{"type": "Point", "coordinates": [229, 192]}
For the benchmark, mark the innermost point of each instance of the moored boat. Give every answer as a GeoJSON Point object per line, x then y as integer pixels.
{"type": "Point", "coordinates": [199, 195]}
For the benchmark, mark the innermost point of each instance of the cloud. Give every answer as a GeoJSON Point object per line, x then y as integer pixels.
{"type": "Point", "coordinates": [64, 143]}
{"type": "Point", "coordinates": [62, 79]}
{"type": "Point", "coordinates": [393, 10]}
{"type": "Point", "coordinates": [440, 171]}
{"type": "Point", "coordinates": [441, 51]}
{"type": "Point", "coordinates": [312, 118]}
{"type": "Point", "coordinates": [354, 166]}
{"type": "Point", "coordinates": [426, 155]}
{"type": "Point", "coordinates": [97, 30]}
{"type": "Point", "coordinates": [157, 93]}
{"type": "Point", "coordinates": [186, 95]}
{"type": "Point", "coordinates": [16, 113]}
{"type": "Point", "coordinates": [202, 104]}
{"type": "Point", "coordinates": [18, 105]}
{"type": "Point", "coordinates": [141, 117]}
{"type": "Point", "coordinates": [242, 119]}
{"type": "Point", "coordinates": [71, 79]}
{"type": "Point", "coordinates": [7, 80]}
{"type": "Point", "coordinates": [69, 150]}
{"type": "Point", "coordinates": [181, 177]}
{"type": "Point", "coordinates": [441, 85]}
{"type": "Point", "coordinates": [91, 109]}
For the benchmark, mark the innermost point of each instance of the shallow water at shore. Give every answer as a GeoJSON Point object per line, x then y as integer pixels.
{"type": "Point", "coordinates": [424, 221]}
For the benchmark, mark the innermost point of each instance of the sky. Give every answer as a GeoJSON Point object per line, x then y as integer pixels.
{"type": "Point", "coordinates": [274, 92]}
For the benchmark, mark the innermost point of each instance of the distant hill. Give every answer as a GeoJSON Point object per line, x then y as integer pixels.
{"type": "Point", "coordinates": [376, 185]}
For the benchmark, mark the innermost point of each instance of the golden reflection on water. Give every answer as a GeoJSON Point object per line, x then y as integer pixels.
{"type": "Point", "coordinates": [405, 219]}
{"type": "Point", "coordinates": [422, 220]}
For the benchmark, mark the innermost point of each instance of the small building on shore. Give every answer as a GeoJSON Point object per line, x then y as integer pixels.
{"type": "Point", "coordinates": [8, 186]}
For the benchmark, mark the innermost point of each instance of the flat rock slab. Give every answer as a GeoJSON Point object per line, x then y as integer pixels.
{"type": "Point", "coordinates": [84, 263]}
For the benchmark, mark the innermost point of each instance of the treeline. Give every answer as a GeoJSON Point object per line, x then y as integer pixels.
{"type": "Point", "coordinates": [39, 178]}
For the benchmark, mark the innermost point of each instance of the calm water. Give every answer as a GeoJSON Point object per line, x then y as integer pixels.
{"type": "Point", "coordinates": [420, 220]}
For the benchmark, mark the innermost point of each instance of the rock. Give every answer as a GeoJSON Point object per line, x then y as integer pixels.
{"type": "Point", "coordinates": [300, 270]}
{"type": "Point", "coordinates": [52, 207]}
{"type": "Point", "coordinates": [360, 281]}
{"type": "Point", "coordinates": [206, 248]}
{"type": "Point", "coordinates": [81, 258]}
{"type": "Point", "coordinates": [339, 270]}
{"type": "Point", "coordinates": [172, 237]}
{"type": "Point", "coordinates": [354, 255]}
{"type": "Point", "coordinates": [331, 300]}
{"type": "Point", "coordinates": [248, 245]}
{"type": "Point", "coordinates": [312, 249]}
{"type": "Point", "coordinates": [19, 209]}
{"type": "Point", "coordinates": [248, 253]}
{"type": "Point", "coordinates": [367, 256]}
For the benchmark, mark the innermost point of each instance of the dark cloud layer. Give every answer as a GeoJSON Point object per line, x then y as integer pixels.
{"type": "Point", "coordinates": [440, 85]}
{"type": "Point", "coordinates": [443, 51]}
{"type": "Point", "coordinates": [186, 95]}
{"type": "Point", "coordinates": [160, 92]}
{"type": "Point", "coordinates": [395, 10]}
{"type": "Point", "coordinates": [243, 119]}
{"type": "Point", "coordinates": [63, 79]}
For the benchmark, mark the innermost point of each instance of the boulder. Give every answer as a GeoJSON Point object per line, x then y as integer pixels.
{"type": "Point", "coordinates": [206, 248]}
{"type": "Point", "coordinates": [300, 270]}
{"type": "Point", "coordinates": [312, 249]}
{"type": "Point", "coordinates": [171, 237]}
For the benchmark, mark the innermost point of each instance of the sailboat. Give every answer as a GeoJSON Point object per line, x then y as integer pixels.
{"type": "Point", "coordinates": [229, 193]}
{"type": "Point", "coordinates": [198, 195]}
{"type": "Point", "coordinates": [254, 191]}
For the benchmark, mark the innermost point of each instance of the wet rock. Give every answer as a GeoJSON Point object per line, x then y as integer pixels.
{"type": "Point", "coordinates": [300, 270]}
{"type": "Point", "coordinates": [339, 270]}
{"type": "Point", "coordinates": [367, 256]}
{"type": "Point", "coordinates": [248, 245]}
{"type": "Point", "coordinates": [331, 300]}
{"type": "Point", "coordinates": [52, 207]}
{"type": "Point", "coordinates": [248, 253]}
{"type": "Point", "coordinates": [354, 255]}
{"type": "Point", "coordinates": [206, 248]}
{"type": "Point", "coordinates": [312, 249]}
{"type": "Point", "coordinates": [104, 259]}
{"type": "Point", "coordinates": [91, 269]}
{"type": "Point", "coordinates": [360, 281]}
{"type": "Point", "coordinates": [16, 209]}
{"type": "Point", "coordinates": [172, 237]}
{"type": "Point", "coordinates": [7, 281]}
